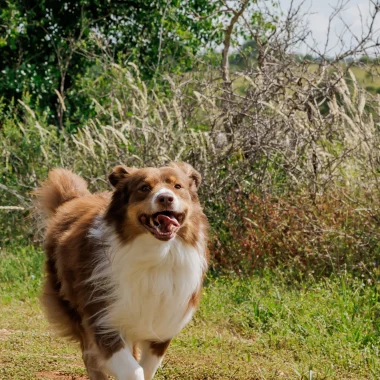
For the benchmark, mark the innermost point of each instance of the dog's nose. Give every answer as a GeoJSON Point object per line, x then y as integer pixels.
{"type": "Point", "coordinates": [165, 199]}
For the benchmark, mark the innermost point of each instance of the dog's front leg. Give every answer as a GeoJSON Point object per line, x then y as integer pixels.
{"type": "Point", "coordinates": [124, 366]}
{"type": "Point", "coordinates": [152, 354]}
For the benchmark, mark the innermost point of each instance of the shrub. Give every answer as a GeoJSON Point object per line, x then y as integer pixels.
{"type": "Point", "coordinates": [296, 232]}
{"type": "Point", "coordinates": [272, 164]}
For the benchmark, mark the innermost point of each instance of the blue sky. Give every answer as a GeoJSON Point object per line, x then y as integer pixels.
{"type": "Point", "coordinates": [320, 10]}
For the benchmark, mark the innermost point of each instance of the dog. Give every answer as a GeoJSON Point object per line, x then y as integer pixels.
{"type": "Point", "coordinates": [124, 269]}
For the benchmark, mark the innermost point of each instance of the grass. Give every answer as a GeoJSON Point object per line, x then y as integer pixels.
{"type": "Point", "coordinates": [247, 328]}
{"type": "Point", "coordinates": [365, 80]}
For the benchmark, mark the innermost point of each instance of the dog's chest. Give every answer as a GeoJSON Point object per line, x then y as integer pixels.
{"type": "Point", "coordinates": [153, 285]}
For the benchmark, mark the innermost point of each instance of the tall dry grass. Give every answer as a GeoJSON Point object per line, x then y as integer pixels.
{"type": "Point", "coordinates": [280, 133]}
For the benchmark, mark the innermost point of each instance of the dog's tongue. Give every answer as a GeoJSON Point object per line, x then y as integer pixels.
{"type": "Point", "coordinates": [166, 222]}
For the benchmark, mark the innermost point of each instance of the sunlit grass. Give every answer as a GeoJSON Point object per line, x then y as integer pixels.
{"type": "Point", "coordinates": [247, 328]}
{"type": "Point", "coordinates": [363, 77]}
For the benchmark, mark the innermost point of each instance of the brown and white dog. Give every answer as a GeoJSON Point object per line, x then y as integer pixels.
{"type": "Point", "coordinates": [124, 269]}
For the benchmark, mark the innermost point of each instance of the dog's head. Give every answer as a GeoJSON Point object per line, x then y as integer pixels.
{"type": "Point", "coordinates": [158, 201]}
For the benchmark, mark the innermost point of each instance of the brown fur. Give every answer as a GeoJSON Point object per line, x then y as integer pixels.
{"type": "Point", "coordinates": [126, 193]}
{"type": "Point", "coordinates": [159, 348]}
{"type": "Point", "coordinates": [69, 260]}
{"type": "Point", "coordinates": [70, 210]}
{"type": "Point", "coordinates": [61, 186]}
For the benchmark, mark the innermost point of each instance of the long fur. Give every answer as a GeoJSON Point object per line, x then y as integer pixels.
{"type": "Point", "coordinates": [110, 283]}
{"type": "Point", "coordinates": [155, 307]}
{"type": "Point", "coordinates": [61, 186]}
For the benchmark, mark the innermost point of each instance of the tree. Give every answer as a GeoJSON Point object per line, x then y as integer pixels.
{"type": "Point", "coordinates": [45, 44]}
{"type": "Point", "coordinates": [246, 55]}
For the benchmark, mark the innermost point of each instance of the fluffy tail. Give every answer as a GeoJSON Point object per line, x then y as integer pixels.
{"type": "Point", "coordinates": [61, 186]}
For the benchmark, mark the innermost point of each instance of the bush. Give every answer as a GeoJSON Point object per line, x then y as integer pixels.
{"type": "Point", "coordinates": [278, 172]}
{"type": "Point", "coordinates": [292, 231]}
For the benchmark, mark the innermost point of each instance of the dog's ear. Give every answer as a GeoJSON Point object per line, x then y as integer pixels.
{"type": "Point", "coordinates": [189, 171]}
{"type": "Point", "coordinates": [119, 173]}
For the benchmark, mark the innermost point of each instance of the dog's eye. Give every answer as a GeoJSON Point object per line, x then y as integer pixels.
{"type": "Point", "coordinates": [178, 186]}
{"type": "Point", "coordinates": [145, 189]}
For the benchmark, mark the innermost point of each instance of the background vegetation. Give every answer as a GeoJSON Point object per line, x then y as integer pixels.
{"type": "Point", "coordinates": [288, 147]}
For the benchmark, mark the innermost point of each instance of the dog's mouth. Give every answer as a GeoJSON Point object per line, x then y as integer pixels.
{"type": "Point", "coordinates": [163, 225]}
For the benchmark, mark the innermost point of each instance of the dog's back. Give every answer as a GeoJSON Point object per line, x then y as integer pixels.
{"type": "Point", "coordinates": [68, 210]}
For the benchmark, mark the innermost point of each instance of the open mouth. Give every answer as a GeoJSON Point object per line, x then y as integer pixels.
{"type": "Point", "coordinates": [163, 225]}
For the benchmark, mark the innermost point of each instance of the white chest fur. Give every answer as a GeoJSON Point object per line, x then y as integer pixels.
{"type": "Point", "coordinates": [149, 285]}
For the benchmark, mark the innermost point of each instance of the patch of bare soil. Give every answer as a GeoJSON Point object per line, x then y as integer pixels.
{"type": "Point", "coordinates": [6, 332]}
{"type": "Point", "coordinates": [58, 375]}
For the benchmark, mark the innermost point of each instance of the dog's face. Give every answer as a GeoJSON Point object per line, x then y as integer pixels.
{"type": "Point", "coordinates": [159, 201]}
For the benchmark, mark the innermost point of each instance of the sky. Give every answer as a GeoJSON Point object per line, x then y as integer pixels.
{"type": "Point", "coordinates": [320, 10]}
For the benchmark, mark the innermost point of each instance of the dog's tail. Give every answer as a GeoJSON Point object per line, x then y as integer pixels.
{"type": "Point", "coordinates": [61, 186]}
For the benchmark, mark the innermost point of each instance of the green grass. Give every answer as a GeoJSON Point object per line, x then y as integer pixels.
{"type": "Point", "coordinates": [364, 79]}
{"type": "Point", "coordinates": [254, 328]}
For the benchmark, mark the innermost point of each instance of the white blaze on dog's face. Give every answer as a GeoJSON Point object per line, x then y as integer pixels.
{"type": "Point", "coordinates": [159, 201]}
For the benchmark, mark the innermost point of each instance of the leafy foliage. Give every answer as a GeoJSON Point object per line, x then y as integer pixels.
{"type": "Point", "coordinates": [289, 152]}
{"type": "Point", "coordinates": [282, 209]}
{"type": "Point", "coordinates": [246, 55]}
{"type": "Point", "coordinates": [49, 45]}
